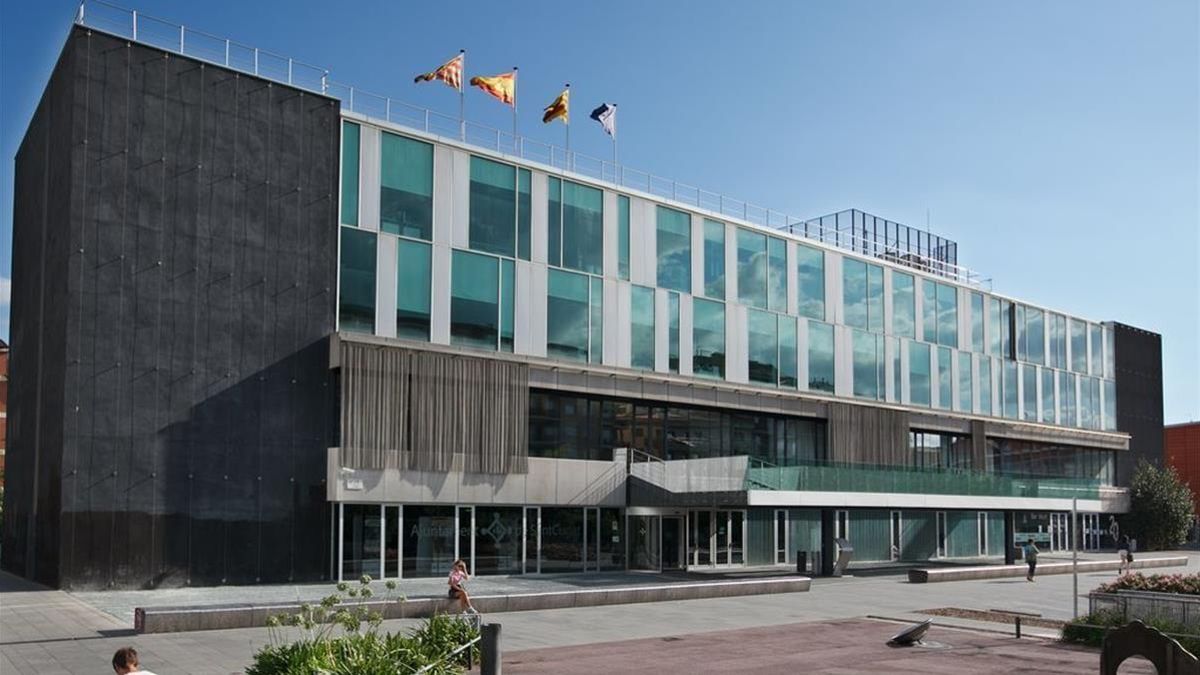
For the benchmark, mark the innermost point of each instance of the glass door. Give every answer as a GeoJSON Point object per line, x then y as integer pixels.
{"type": "Point", "coordinates": [465, 526]}
{"type": "Point", "coordinates": [941, 534]}
{"type": "Point", "coordinates": [391, 541]}
{"type": "Point", "coordinates": [672, 543]}
{"type": "Point", "coordinates": [645, 543]}
{"type": "Point", "coordinates": [721, 536]}
{"type": "Point", "coordinates": [591, 539]}
{"type": "Point", "coordinates": [737, 538]}
{"type": "Point", "coordinates": [701, 538]}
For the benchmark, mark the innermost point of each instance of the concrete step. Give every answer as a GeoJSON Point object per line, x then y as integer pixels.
{"type": "Point", "coordinates": [923, 576]}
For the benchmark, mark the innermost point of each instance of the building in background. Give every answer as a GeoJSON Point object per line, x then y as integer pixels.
{"type": "Point", "coordinates": [270, 329]}
{"type": "Point", "coordinates": [1181, 448]}
{"type": "Point", "coordinates": [3, 406]}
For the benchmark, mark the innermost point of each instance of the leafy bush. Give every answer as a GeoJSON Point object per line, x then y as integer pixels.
{"type": "Point", "coordinates": [1184, 584]}
{"type": "Point", "coordinates": [1090, 629]}
{"type": "Point", "coordinates": [358, 650]}
{"type": "Point", "coordinates": [1160, 507]}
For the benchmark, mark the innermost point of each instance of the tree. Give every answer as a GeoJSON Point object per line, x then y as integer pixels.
{"type": "Point", "coordinates": [1160, 509]}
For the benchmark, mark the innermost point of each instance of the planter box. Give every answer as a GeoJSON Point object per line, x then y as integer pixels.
{"type": "Point", "coordinates": [1183, 609]}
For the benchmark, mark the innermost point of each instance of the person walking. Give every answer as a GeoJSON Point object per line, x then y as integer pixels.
{"type": "Point", "coordinates": [1126, 557]}
{"type": "Point", "coordinates": [1030, 551]}
{"type": "Point", "coordinates": [125, 662]}
{"type": "Point", "coordinates": [459, 576]}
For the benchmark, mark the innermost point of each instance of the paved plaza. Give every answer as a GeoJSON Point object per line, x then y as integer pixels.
{"type": "Point", "coordinates": [44, 631]}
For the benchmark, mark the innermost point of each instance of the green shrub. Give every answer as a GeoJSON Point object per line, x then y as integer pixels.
{"type": "Point", "coordinates": [1185, 584]}
{"type": "Point", "coordinates": [1090, 629]}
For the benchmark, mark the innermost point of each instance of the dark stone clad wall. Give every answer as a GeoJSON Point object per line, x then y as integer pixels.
{"type": "Point", "coordinates": [199, 262]}
{"type": "Point", "coordinates": [1138, 362]}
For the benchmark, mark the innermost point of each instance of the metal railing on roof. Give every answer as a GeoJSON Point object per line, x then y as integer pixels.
{"type": "Point", "coordinates": [177, 38]}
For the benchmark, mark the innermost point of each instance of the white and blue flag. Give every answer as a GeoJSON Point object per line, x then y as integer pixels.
{"type": "Point", "coordinates": [606, 115]}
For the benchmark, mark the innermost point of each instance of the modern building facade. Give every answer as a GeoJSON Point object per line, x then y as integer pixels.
{"type": "Point", "coordinates": [1181, 450]}
{"type": "Point", "coordinates": [262, 333]}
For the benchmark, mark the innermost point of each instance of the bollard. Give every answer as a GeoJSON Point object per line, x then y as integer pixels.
{"type": "Point", "coordinates": [1017, 623]}
{"type": "Point", "coordinates": [490, 653]}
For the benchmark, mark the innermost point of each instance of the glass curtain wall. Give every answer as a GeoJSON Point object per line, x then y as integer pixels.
{"type": "Point", "coordinates": [350, 169]}
{"type": "Point", "coordinates": [576, 233]}
{"type": "Point", "coordinates": [919, 374]}
{"type": "Point", "coordinates": [714, 259]}
{"type": "Point", "coordinates": [752, 268]}
{"type": "Point", "coordinates": [820, 357]}
{"type": "Point", "coordinates": [763, 347]}
{"type": "Point", "coordinates": [642, 327]}
{"type": "Point", "coordinates": [870, 365]}
{"type": "Point", "coordinates": [413, 274]}
{"type": "Point", "coordinates": [574, 316]}
{"type": "Point", "coordinates": [406, 187]}
{"type": "Point", "coordinates": [708, 338]}
{"type": "Point", "coordinates": [356, 299]}
{"type": "Point", "coordinates": [499, 217]}
{"type": "Point", "coordinates": [904, 307]}
{"type": "Point", "coordinates": [474, 300]}
{"type": "Point", "coordinates": [862, 294]}
{"type": "Point", "coordinates": [674, 247]}
{"type": "Point", "coordinates": [945, 358]}
{"type": "Point", "coordinates": [673, 332]}
{"type": "Point", "coordinates": [810, 268]}
{"type": "Point", "coordinates": [623, 237]}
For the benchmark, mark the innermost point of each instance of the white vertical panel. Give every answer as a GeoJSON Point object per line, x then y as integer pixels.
{"type": "Point", "coordinates": [642, 242]}
{"type": "Point", "coordinates": [522, 301]}
{"type": "Point", "coordinates": [802, 354]}
{"type": "Point", "coordinates": [1020, 393]}
{"type": "Point", "coordinates": [890, 386]}
{"type": "Point", "coordinates": [612, 327]}
{"type": "Point", "coordinates": [964, 319]}
{"type": "Point", "coordinates": [624, 319]}
{"type": "Point", "coordinates": [731, 266]}
{"type": "Point", "coordinates": [905, 392]}
{"type": "Point", "coordinates": [935, 384]}
{"type": "Point", "coordinates": [686, 334]}
{"type": "Point", "coordinates": [919, 307]}
{"type": "Point", "coordinates": [843, 362]}
{"type": "Point", "coordinates": [976, 384]}
{"type": "Point", "coordinates": [610, 240]}
{"type": "Point", "coordinates": [954, 375]}
{"type": "Point", "coordinates": [697, 255]}
{"type": "Point", "coordinates": [833, 288]}
{"type": "Point", "coordinates": [439, 307]}
{"type": "Point", "coordinates": [368, 178]}
{"type": "Point", "coordinates": [538, 217]}
{"type": "Point", "coordinates": [888, 309]}
{"type": "Point", "coordinates": [537, 310]}
{"type": "Point", "coordinates": [461, 215]}
{"type": "Point", "coordinates": [662, 329]}
{"type": "Point", "coordinates": [443, 195]}
{"type": "Point", "coordinates": [987, 328]}
{"type": "Point", "coordinates": [385, 286]}
{"type": "Point", "coordinates": [793, 278]}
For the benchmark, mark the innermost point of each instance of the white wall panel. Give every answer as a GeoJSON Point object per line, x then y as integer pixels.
{"type": "Point", "coordinates": [623, 318]}
{"type": "Point", "coordinates": [662, 329]}
{"type": "Point", "coordinates": [538, 217]}
{"type": "Point", "coordinates": [736, 352]}
{"type": "Point", "coordinates": [610, 236]}
{"type": "Point", "coordinates": [443, 194]}
{"type": "Point", "coordinates": [461, 216]}
{"type": "Point", "coordinates": [368, 178]}
{"type": "Point", "coordinates": [439, 307]}
{"type": "Point", "coordinates": [697, 255]}
{"type": "Point", "coordinates": [537, 310]}
{"type": "Point", "coordinates": [522, 300]}
{"type": "Point", "coordinates": [385, 286]}
{"type": "Point", "coordinates": [793, 278]}
{"type": "Point", "coordinates": [612, 327]}
{"type": "Point", "coordinates": [686, 325]}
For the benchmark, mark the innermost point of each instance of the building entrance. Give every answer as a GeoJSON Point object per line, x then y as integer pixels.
{"type": "Point", "coordinates": [673, 531]}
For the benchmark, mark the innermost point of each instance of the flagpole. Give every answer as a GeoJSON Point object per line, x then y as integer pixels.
{"type": "Point", "coordinates": [516, 143]}
{"type": "Point", "coordinates": [614, 137]}
{"type": "Point", "coordinates": [567, 124]}
{"type": "Point", "coordinates": [462, 98]}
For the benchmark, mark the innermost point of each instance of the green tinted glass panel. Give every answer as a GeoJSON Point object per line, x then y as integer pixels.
{"type": "Point", "coordinates": [474, 300]}
{"type": "Point", "coordinates": [875, 298]}
{"type": "Point", "coordinates": [714, 259]}
{"type": "Point", "coordinates": [356, 302]}
{"type": "Point", "coordinates": [1029, 385]}
{"type": "Point", "coordinates": [929, 311]}
{"type": "Point", "coordinates": [965, 379]}
{"type": "Point", "coordinates": [945, 377]}
{"type": "Point", "coordinates": [596, 345]}
{"type": "Point", "coordinates": [777, 275]}
{"type": "Point", "coordinates": [947, 315]}
{"type": "Point", "coordinates": [674, 241]}
{"type": "Point", "coordinates": [919, 374]}
{"type": "Point", "coordinates": [1035, 336]}
{"type": "Point", "coordinates": [1079, 353]}
{"type": "Point", "coordinates": [810, 268]}
{"type": "Point", "coordinates": [554, 222]}
{"type": "Point", "coordinates": [1110, 405]}
{"type": "Point", "coordinates": [567, 315]}
{"type": "Point", "coordinates": [904, 307]}
{"type": "Point", "coordinates": [583, 228]}
{"type": "Point", "coordinates": [995, 328]}
{"type": "Point", "coordinates": [1007, 323]}
{"type": "Point", "coordinates": [412, 289]}
{"type": "Point", "coordinates": [673, 332]}
{"type": "Point", "coordinates": [977, 322]}
{"type": "Point", "coordinates": [350, 168]}
{"type": "Point", "coordinates": [708, 338]}
{"type": "Point", "coordinates": [752, 268]}
{"type": "Point", "coordinates": [623, 237]}
{"type": "Point", "coordinates": [763, 347]}
{"type": "Point", "coordinates": [868, 353]}
{"type": "Point", "coordinates": [524, 213]}
{"type": "Point", "coordinates": [1008, 382]}
{"type": "Point", "coordinates": [820, 356]}
{"type": "Point", "coordinates": [854, 292]}
{"type": "Point", "coordinates": [406, 186]}
{"type": "Point", "coordinates": [1096, 348]}
{"type": "Point", "coordinates": [493, 207]}
{"type": "Point", "coordinates": [507, 308]}
{"type": "Point", "coordinates": [985, 385]}
{"type": "Point", "coordinates": [1048, 396]}
{"type": "Point", "coordinates": [787, 352]}
{"type": "Point", "coordinates": [642, 327]}
{"type": "Point", "coordinates": [1066, 399]}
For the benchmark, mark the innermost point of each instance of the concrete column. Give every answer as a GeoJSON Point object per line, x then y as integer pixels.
{"type": "Point", "coordinates": [1010, 530]}
{"type": "Point", "coordinates": [828, 546]}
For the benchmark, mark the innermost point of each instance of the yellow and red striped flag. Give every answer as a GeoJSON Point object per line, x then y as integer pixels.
{"type": "Point", "coordinates": [501, 87]}
{"type": "Point", "coordinates": [449, 72]}
{"type": "Point", "coordinates": [559, 108]}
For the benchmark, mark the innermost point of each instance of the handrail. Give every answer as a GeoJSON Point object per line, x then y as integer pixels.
{"type": "Point", "coordinates": [447, 657]}
{"type": "Point", "coordinates": [170, 36]}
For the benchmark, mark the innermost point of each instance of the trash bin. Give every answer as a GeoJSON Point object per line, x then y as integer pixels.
{"type": "Point", "coordinates": [801, 562]}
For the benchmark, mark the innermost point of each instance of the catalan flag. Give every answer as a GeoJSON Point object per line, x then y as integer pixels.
{"type": "Point", "coordinates": [449, 72]}
{"type": "Point", "coordinates": [501, 87]}
{"type": "Point", "coordinates": [559, 108]}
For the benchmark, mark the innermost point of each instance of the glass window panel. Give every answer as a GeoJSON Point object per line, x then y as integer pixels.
{"type": "Point", "coordinates": [350, 155]}
{"type": "Point", "coordinates": [1057, 324]}
{"type": "Point", "coordinates": [361, 536]}
{"type": "Point", "coordinates": [1109, 358]}
{"type": "Point", "coordinates": [673, 332]}
{"type": "Point", "coordinates": [428, 540]}
{"type": "Point", "coordinates": [596, 353]}
{"type": "Point", "coordinates": [1110, 405]}
{"type": "Point", "coordinates": [474, 300]}
{"type": "Point", "coordinates": [708, 359]}
{"type": "Point", "coordinates": [1048, 407]}
{"type": "Point", "coordinates": [985, 385]}
{"type": "Point", "coordinates": [507, 307]}
{"type": "Point", "coordinates": [904, 308]}
{"type": "Point", "coordinates": [499, 534]}
{"type": "Point", "coordinates": [642, 327]}
{"type": "Point", "coordinates": [929, 311]}
{"type": "Point", "coordinates": [763, 351]}
{"type": "Point", "coordinates": [945, 356]}
{"type": "Point", "coordinates": [896, 374]}
{"type": "Point", "coordinates": [977, 322]}
{"type": "Point", "coordinates": [965, 380]}
{"type": "Point", "coordinates": [406, 186]}
{"type": "Point", "coordinates": [810, 266]}
{"type": "Point", "coordinates": [820, 356]}
{"type": "Point", "coordinates": [412, 289]}
{"type": "Point", "coordinates": [947, 313]}
{"type": "Point", "coordinates": [674, 246]}
{"type": "Point", "coordinates": [875, 298]}
{"type": "Point", "coordinates": [356, 302]}
{"type": "Point", "coordinates": [1097, 348]}
{"type": "Point", "coordinates": [1029, 386]}
{"type": "Point", "coordinates": [1022, 343]}
{"type": "Point", "coordinates": [752, 268]}
{"type": "Point", "coordinates": [854, 292]}
{"type": "Point", "coordinates": [1036, 335]}
{"type": "Point", "coordinates": [996, 327]}
{"type": "Point", "coordinates": [554, 221]}
{"type": "Point", "coordinates": [623, 237]}
{"type": "Point", "coordinates": [567, 316]}
{"type": "Point", "coordinates": [524, 213]}
{"type": "Point", "coordinates": [493, 207]}
{"type": "Point", "coordinates": [1066, 399]}
{"type": "Point", "coordinates": [919, 374]}
{"type": "Point", "coordinates": [1009, 385]}
{"type": "Point", "coordinates": [787, 352]}
{"type": "Point", "coordinates": [868, 359]}
{"type": "Point", "coordinates": [562, 539]}
{"type": "Point", "coordinates": [583, 228]}
{"type": "Point", "coordinates": [714, 259]}
{"type": "Point", "coordinates": [1079, 353]}
{"type": "Point", "coordinates": [777, 275]}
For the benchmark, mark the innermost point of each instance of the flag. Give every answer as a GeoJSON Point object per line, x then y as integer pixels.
{"type": "Point", "coordinates": [501, 87]}
{"type": "Point", "coordinates": [449, 72]}
{"type": "Point", "coordinates": [606, 115]}
{"type": "Point", "coordinates": [559, 108]}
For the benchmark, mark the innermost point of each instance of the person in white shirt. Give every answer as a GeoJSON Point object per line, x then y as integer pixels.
{"type": "Point", "coordinates": [125, 661]}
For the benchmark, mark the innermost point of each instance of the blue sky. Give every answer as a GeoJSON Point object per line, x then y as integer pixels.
{"type": "Point", "coordinates": [1057, 142]}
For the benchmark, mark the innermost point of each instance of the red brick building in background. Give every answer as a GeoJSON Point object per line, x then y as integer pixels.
{"type": "Point", "coordinates": [1181, 447]}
